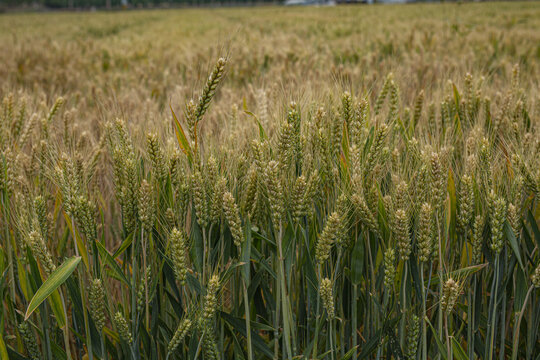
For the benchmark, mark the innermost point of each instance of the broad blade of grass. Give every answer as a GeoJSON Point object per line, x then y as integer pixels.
{"type": "Point", "coordinates": [3, 350]}
{"type": "Point", "coordinates": [513, 242]}
{"type": "Point", "coordinates": [440, 345]}
{"type": "Point", "coordinates": [57, 278]}
{"type": "Point", "coordinates": [459, 353]}
{"type": "Point", "coordinates": [240, 326]}
{"type": "Point", "coordinates": [181, 136]}
{"type": "Point", "coordinates": [113, 265]}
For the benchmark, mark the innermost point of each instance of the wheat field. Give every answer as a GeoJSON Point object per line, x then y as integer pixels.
{"type": "Point", "coordinates": [349, 182]}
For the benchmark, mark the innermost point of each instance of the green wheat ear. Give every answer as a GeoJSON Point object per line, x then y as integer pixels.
{"type": "Point", "coordinates": [179, 335]}
{"type": "Point", "coordinates": [210, 299]}
{"type": "Point", "coordinates": [419, 102]}
{"type": "Point", "coordinates": [437, 180]}
{"type": "Point", "coordinates": [359, 122]}
{"type": "Point", "coordinates": [477, 239]}
{"type": "Point", "coordinates": [389, 268]}
{"type": "Point", "coordinates": [347, 112]}
{"type": "Point", "coordinates": [147, 205]}
{"type": "Point", "coordinates": [210, 89]}
{"type": "Point", "coordinates": [365, 214]}
{"type": "Point", "coordinates": [7, 171]}
{"type": "Point", "coordinates": [401, 233]}
{"type": "Point", "coordinates": [210, 348]}
{"type": "Point", "coordinates": [29, 340]}
{"type": "Point", "coordinates": [157, 158]}
{"type": "Point", "coordinates": [39, 248]}
{"type": "Point", "coordinates": [145, 280]}
{"type": "Point", "coordinates": [376, 148]}
{"type": "Point", "coordinates": [122, 327]}
{"type": "Point", "coordinates": [424, 235]}
{"type": "Point", "coordinates": [217, 205]}
{"type": "Point", "coordinates": [232, 215]}
{"type": "Point", "coordinates": [200, 199]}
{"type": "Point", "coordinates": [298, 200]}
{"type": "Point", "coordinates": [275, 192]}
{"type": "Point", "coordinates": [96, 298]}
{"type": "Point", "coordinates": [383, 93]}
{"type": "Point", "coordinates": [535, 277]}
{"type": "Point", "coordinates": [250, 197]}
{"type": "Point", "coordinates": [497, 217]}
{"type": "Point", "coordinates": [179, 254]}
{"type": "Point", "coordinates": [413, 332]}
{"type": "Point", "coordinates": [326, 292]}
{"type": "Point", "coordinates": [450, 293]}
{"type": "Point", "coordinates": [466, 202]}
{"type": "Point", "coordinates": [327, 237]}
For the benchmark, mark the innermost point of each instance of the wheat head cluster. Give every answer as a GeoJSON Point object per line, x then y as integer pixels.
{"type": "Point", "coordinates": [340, 183]}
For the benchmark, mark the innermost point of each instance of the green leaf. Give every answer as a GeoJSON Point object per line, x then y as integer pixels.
{"type": "Point", "coordinates": [78, 241]}
{"type": "Point", "coordinates": [57, 278]}
{"type": "Point", "coordinates": [181, 136]}
{"type": "Point", "coordinates": [440, 345]}
{"type": "Point", "coordinates": [452, 209]}
{"type": "Point", "coordinates": [357, 261]}
{"type": "Point", "coordinates": [113, 265]}
{"type": "Point", "coordinates": [513, 242]}
{"type": "Point", "coordinates": [457, 98]}
{"type": "Point", "coordinates": [350, 353]}
{"type": "Point", "coordinates": [125, 244]}
{"type": "Point", "coordinates": [3, 350]}
{"type": "Point", "coordinates": [460, 273]}
{"type": "Point", "coordinates": [459, 353]}
{"type": "Point", "coordinates": [197, 247]}
{"type": "Point", "coordinates": [246, 253]}
{"type": "Point", "coordinates": [370, 345]}
{"type": "Point", "coordinates": [58, 308]}
{"type": "Point", "coordinates": [262, 133]}
{"type": "Point", "coordinates": [345, 144]}
{"type": "Point", "coordinates": [240, 326]}
{"type": "Point", "coordinates": [534, 226]}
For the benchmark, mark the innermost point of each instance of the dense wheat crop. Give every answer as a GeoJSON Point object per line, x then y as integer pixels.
{"type": "Point", "coordinates": [271, 183]}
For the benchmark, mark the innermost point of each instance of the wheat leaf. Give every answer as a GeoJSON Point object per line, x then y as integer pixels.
{"type": "Point", "coordinates": [57, 278]}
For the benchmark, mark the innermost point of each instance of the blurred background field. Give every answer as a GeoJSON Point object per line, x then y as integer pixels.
{"type": "Point", "coordinates": [142, 60]}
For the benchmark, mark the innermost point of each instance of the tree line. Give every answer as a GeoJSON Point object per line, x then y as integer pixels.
{"type": "Point", "coordinates": [81, 4]}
